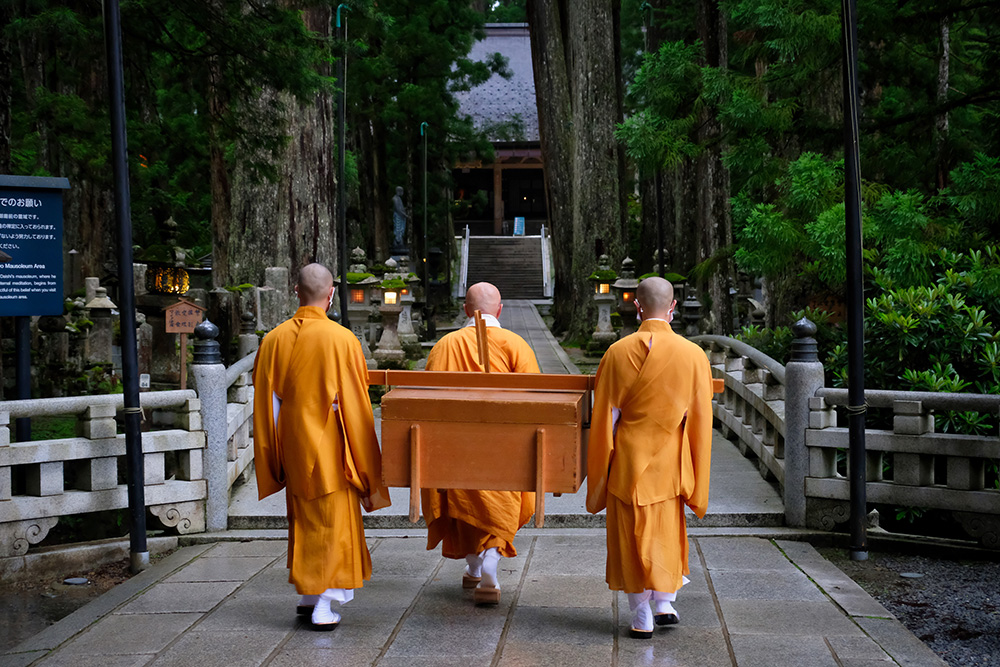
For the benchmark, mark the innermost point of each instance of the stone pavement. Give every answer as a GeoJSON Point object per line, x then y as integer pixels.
{"type": "Point", "coordinates": [757, 597]}
{"type": "Point", "coordinates": [751, 602]}
{"type": "Point", "coordinates": [521, 316]}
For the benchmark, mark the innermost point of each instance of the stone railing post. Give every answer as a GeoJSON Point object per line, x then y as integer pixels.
{"type": "Point", "coordinates": [210, 381]}
{"type": "Point", "coordinates": [803, 376]}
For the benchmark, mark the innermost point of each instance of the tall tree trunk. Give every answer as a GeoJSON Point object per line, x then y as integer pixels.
{"type": "Point", "coordinates": [369, 142]}
{"type": "Point", "coordinates": [221, 208]}
{"type": "Point", "coordinates": [292, 221]}
{"type": "Point", "coordinates": [555, 128]}
{"type": "Point", "coordinates": [941, 120]}
{"type": "Point", "coordinates": [712, 178]}
{"type": "Point", "coordinates": [577, 77]}
{"type": "Point", "coordinates": [6, 17]}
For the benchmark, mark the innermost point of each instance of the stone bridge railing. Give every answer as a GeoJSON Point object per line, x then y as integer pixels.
{"type": "Point", "coordinates": [786, 419]}
{"type": "Point", "coordinates": [195, 444]}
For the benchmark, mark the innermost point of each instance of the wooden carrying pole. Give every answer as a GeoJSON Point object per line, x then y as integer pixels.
{"type": "Point", "coordinates": [482, 341]}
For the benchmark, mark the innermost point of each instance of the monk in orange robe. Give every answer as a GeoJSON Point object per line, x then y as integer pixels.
{"type": "Point", "coordinates": [314, 435]}
{"type": "Point", "coordinates": [649, 456]}
{"type": "Point", "coordinates": [479, 526]}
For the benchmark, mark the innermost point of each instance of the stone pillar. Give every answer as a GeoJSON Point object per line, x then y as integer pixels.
{"type": "Point", "coordinates": [604, 335]}
{"type": "Point", "coordinates": [248, 335]}
{"type": "Point", "coordinates": [803, 377]}
{"type": "Point", "coordinates": [389, 353]}
{"type": "Point", "coordinates": [144, 344]}
{"type": "Point", "coordinates": [90, 285]}
{"type": "Point", "coordinates": [139, 278]}
{"type": "Point", "coordinates": [210, 381]}
{"type": "Point", "coordinates": [408, 338]}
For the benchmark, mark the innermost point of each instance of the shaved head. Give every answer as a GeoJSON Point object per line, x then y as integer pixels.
{"type": "Point", "coordinates": [483, 297]}
{"type": "Point", "coordinates": [315, 286]}
{"type": "Point", "coordinates": [655, 297]}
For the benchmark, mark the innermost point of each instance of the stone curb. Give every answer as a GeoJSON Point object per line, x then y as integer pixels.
{"type": "Point", "coordinates": [81, 556]}
{"type": "Point", "coordinates": [54, 635]}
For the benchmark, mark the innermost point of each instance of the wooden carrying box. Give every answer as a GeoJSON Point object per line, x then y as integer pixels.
{"type": "Point", "coordinates": [486, 438]}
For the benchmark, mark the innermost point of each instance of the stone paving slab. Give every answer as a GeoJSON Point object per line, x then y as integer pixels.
{"type": "Point", "coordinates": [763, 609]}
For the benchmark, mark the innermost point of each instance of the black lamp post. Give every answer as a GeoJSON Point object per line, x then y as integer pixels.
{"type": "Point", "coordinates": [855, 289]}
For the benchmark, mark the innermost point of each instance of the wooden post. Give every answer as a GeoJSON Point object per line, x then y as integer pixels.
{"type": "Point", "coordinates": [414, 473]}
{"type": "Point", "coordinates": [184, 360]}
{"type": "Point", "coordinates": [482, 341]}
{"type": "Point", "coordinates": [539, 478]}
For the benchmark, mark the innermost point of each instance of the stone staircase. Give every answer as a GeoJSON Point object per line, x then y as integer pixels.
{"type": "Point", "coordinates": [513, 264]}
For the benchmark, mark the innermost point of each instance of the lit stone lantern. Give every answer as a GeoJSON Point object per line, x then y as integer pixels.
{"type": "Point", "coordinates": [624, 289]}
{"type": "Point", "coordinates": [389, 353]}
{"type": "Point", "coordinates": [170, 277]}
{"type": "Point", "coordinates": [602, 278]}
{"type": "Point", "coordinates": [167, 279]}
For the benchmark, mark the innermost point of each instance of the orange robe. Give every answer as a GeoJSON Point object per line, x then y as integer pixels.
{"type": "Point", "coordinates": [465, 521]}
{"type": "Point", "coordinates": [314, 435]}
{"type": "Point", "coordinates": [655, 460]}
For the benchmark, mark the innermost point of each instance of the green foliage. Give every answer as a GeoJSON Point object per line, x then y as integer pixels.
{"type": "Point", "coordinates": [909, 514]}
{"type": "Point", "coordinates": [603, 276]}
{"type": "Point", "coordinates": [358, 277]}
{"type": "Point", "coordinates": [393, 284]}
{"type": "Point", "coordinates": [669, 276]}
{"type": "Point", "coordinates": [53, 427]}
{"type": "Point", "coordinates": [239, 289]}
{"type": "Point", "coordinates": [194, 74]}
{"type": "Point", "coordinates": [95, 380]}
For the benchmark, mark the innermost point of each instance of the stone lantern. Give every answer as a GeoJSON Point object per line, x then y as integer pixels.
{"type": "Point", "coordinates": [389, 353]}
{"type": "Point", "coordinates": [624, 289]}
{"type": "Point", "coordinates": [360, 286]}
{"type": "Point", "coordinates": [691, 313]}
{"type": "Point", "coordinates": [602, 278]}
{"type": "Point", "coordinates": [100, 337]}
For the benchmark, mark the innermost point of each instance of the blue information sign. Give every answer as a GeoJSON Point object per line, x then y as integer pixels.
{"type": "Point", "coordinates": [518, 226]}
{"type": "Point", "coordinates": [31, 240]}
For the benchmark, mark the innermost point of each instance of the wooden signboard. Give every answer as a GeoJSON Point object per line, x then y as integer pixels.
{"type": "Point", "coordinates": [182, 317]}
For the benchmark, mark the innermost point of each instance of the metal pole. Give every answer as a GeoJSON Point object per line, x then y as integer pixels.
{"type": "Point", "coordinates": [341, 161]}
{"type": "Point", "coordinates": [855, 289]}
{"type": "Point", "coordinates": [423, 134]}
{"type": "Point", "coordinates": [22, 368]}
{"type": "Point", "coordinates": [658, 184]}
{"type": "Point", "coordinates": [139, 555]}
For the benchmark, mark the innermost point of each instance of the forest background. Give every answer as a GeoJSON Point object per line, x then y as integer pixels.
{"type": "Point", "coordinates": [723, 119]}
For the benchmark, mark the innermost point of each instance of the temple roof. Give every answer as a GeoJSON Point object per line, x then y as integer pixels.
{"type": "Point", "coordinates": [499, 99]}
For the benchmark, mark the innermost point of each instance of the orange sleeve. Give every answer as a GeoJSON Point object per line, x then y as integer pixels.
{"type": "Point", "coordinates": [698, 432]}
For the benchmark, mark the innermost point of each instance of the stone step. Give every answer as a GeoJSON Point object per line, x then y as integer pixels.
{"type": "Point", "coordinates": [402, 521]}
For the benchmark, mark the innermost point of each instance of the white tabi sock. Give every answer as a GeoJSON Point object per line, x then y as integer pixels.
{"type": "Point", "coordinates": [474, 565]}
{"type": "Point", "coordinates": [490, 559]}
{"type": "Point", "coordinates": [322, 613]}
{"type": "Point", "coordinates": [642, 615]}
{"type": "Point", "coordinates": [308, 600]}
{"type": "Point", "coordinates": [662, 601]}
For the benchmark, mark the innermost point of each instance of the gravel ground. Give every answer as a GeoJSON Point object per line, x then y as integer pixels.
{"type": "Point", "coordinates": [954, 606]}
